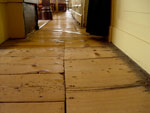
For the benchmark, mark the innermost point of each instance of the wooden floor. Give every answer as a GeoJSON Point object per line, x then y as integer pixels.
{"type": "Point", "coordinates": [63, 69]}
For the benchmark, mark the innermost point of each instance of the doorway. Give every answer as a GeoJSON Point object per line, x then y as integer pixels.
{"type": "Point", "coordinates": [44, 12]}
{"type": "Point", "coordinates": [99, 17]}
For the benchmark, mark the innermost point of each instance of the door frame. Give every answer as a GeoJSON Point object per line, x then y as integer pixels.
{"type": "Point", "coordinates": [112, 21]}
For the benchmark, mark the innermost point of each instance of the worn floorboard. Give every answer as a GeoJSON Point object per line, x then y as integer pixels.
{"type": "Point", "coordinates": [56, 107]}
{"type": "Point", "coordinates": [62, 69]}
{"type": "Point", "coordinates": [106, 65]}
{"type": "Point", "coordinates": [32, 88]}
{"type": "Point", "coordinates": [24, 51]}
{"type": "Point", "coordinates": [30, 69]}
{"type": "Point", "coordinates": [80, 81]}
{"type": "Point", "coordinates": [91, 53]}
{"type": "Point", "coordinates": [128, 100]}
{"type": "Point", "coordinates": [31, 60]}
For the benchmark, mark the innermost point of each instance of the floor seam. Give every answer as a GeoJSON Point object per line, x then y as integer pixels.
{"type": "Point", "coordinates": [65, 104]}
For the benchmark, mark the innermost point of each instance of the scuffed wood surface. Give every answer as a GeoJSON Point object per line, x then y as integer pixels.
{"type": "Point", "coordinates": [100, 80]}
{"type": "Point", "coordinates": [130, 100]}
{"type": "Point", "coordinates": [89, 53]}
{"type": "Point", "coordinates": [29, 88]}
{"type": "Point", "coordinates": [12, 69]}
{"type": "Point", "coordinates": [33, 51]}
{"type": "Point", "coordinates": [56, 107]}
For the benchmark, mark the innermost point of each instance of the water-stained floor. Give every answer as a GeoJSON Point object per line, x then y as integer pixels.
{"type": "Point", "coordinates": [61, 68]}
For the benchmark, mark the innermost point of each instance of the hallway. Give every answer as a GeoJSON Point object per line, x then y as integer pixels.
{"type": "Point", "coordinates": [63, 69]}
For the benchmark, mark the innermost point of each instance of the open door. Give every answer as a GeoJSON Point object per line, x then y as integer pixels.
{"type": "Point", "coordinates": [98, 20]}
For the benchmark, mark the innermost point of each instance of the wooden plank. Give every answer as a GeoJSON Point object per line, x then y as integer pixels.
{"type": "Point", "coordinates": [29, 52]}
{"type": "Point", "coordinates": [31, 88]}
{"type": "Point", "coordinates": [56, 33]}
{"type": "Point", "coordinates": [100, 80]}
{"type": "Point", "coordinates": [89, 53]}
{"type": "Point", "coordinates": [84, 42]}
{"type": "Point", "coordinates": [109, 65]}
{"type": "Point", "coordinates": [59, 29]}
{"type": "Point", "coordinates": [101, 74]}
{"type": "Point", "coordinates": [55, 107]}
{"type": "Point", "coordinates": [129, 100]}
{"type": "Point", "coordinates": [31, 60]}
{"type": "Point", "coordinates": [75, 43]}
{"type": "Point", "coordinates": [51, 43]}
{"type": "Point", "coordinates": [30, 69]}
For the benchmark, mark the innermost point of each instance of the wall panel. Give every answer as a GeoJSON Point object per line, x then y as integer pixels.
{"type": "Point", "coordinates": [131, 29]}
{"type": "Point", "coordinates": [3, 23]}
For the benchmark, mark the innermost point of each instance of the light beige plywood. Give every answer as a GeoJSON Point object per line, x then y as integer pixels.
{"type": "Point", "coordinates": [31, 88]}
{"type": "Point", "coordinates": [129, 100]}
{"type": "Point", "coordinates": [56, 107]}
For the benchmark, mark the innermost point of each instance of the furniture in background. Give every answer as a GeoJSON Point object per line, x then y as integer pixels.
{"type": "Point", "coordinates": [44, 10]}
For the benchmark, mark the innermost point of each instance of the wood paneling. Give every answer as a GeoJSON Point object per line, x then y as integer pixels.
{"type": "Point", "coordinates": [131, 30]}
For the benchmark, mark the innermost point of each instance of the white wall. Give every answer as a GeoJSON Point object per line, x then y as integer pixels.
{"type": "Point", "coordinates": [131, 29]}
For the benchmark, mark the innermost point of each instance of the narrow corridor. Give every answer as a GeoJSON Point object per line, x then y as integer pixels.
{"type": "Point", "coordinates": [61, 68]}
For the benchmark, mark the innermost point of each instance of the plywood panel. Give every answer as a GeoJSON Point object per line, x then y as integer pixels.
{"type": "Point", "coordinates": [29, 88]}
